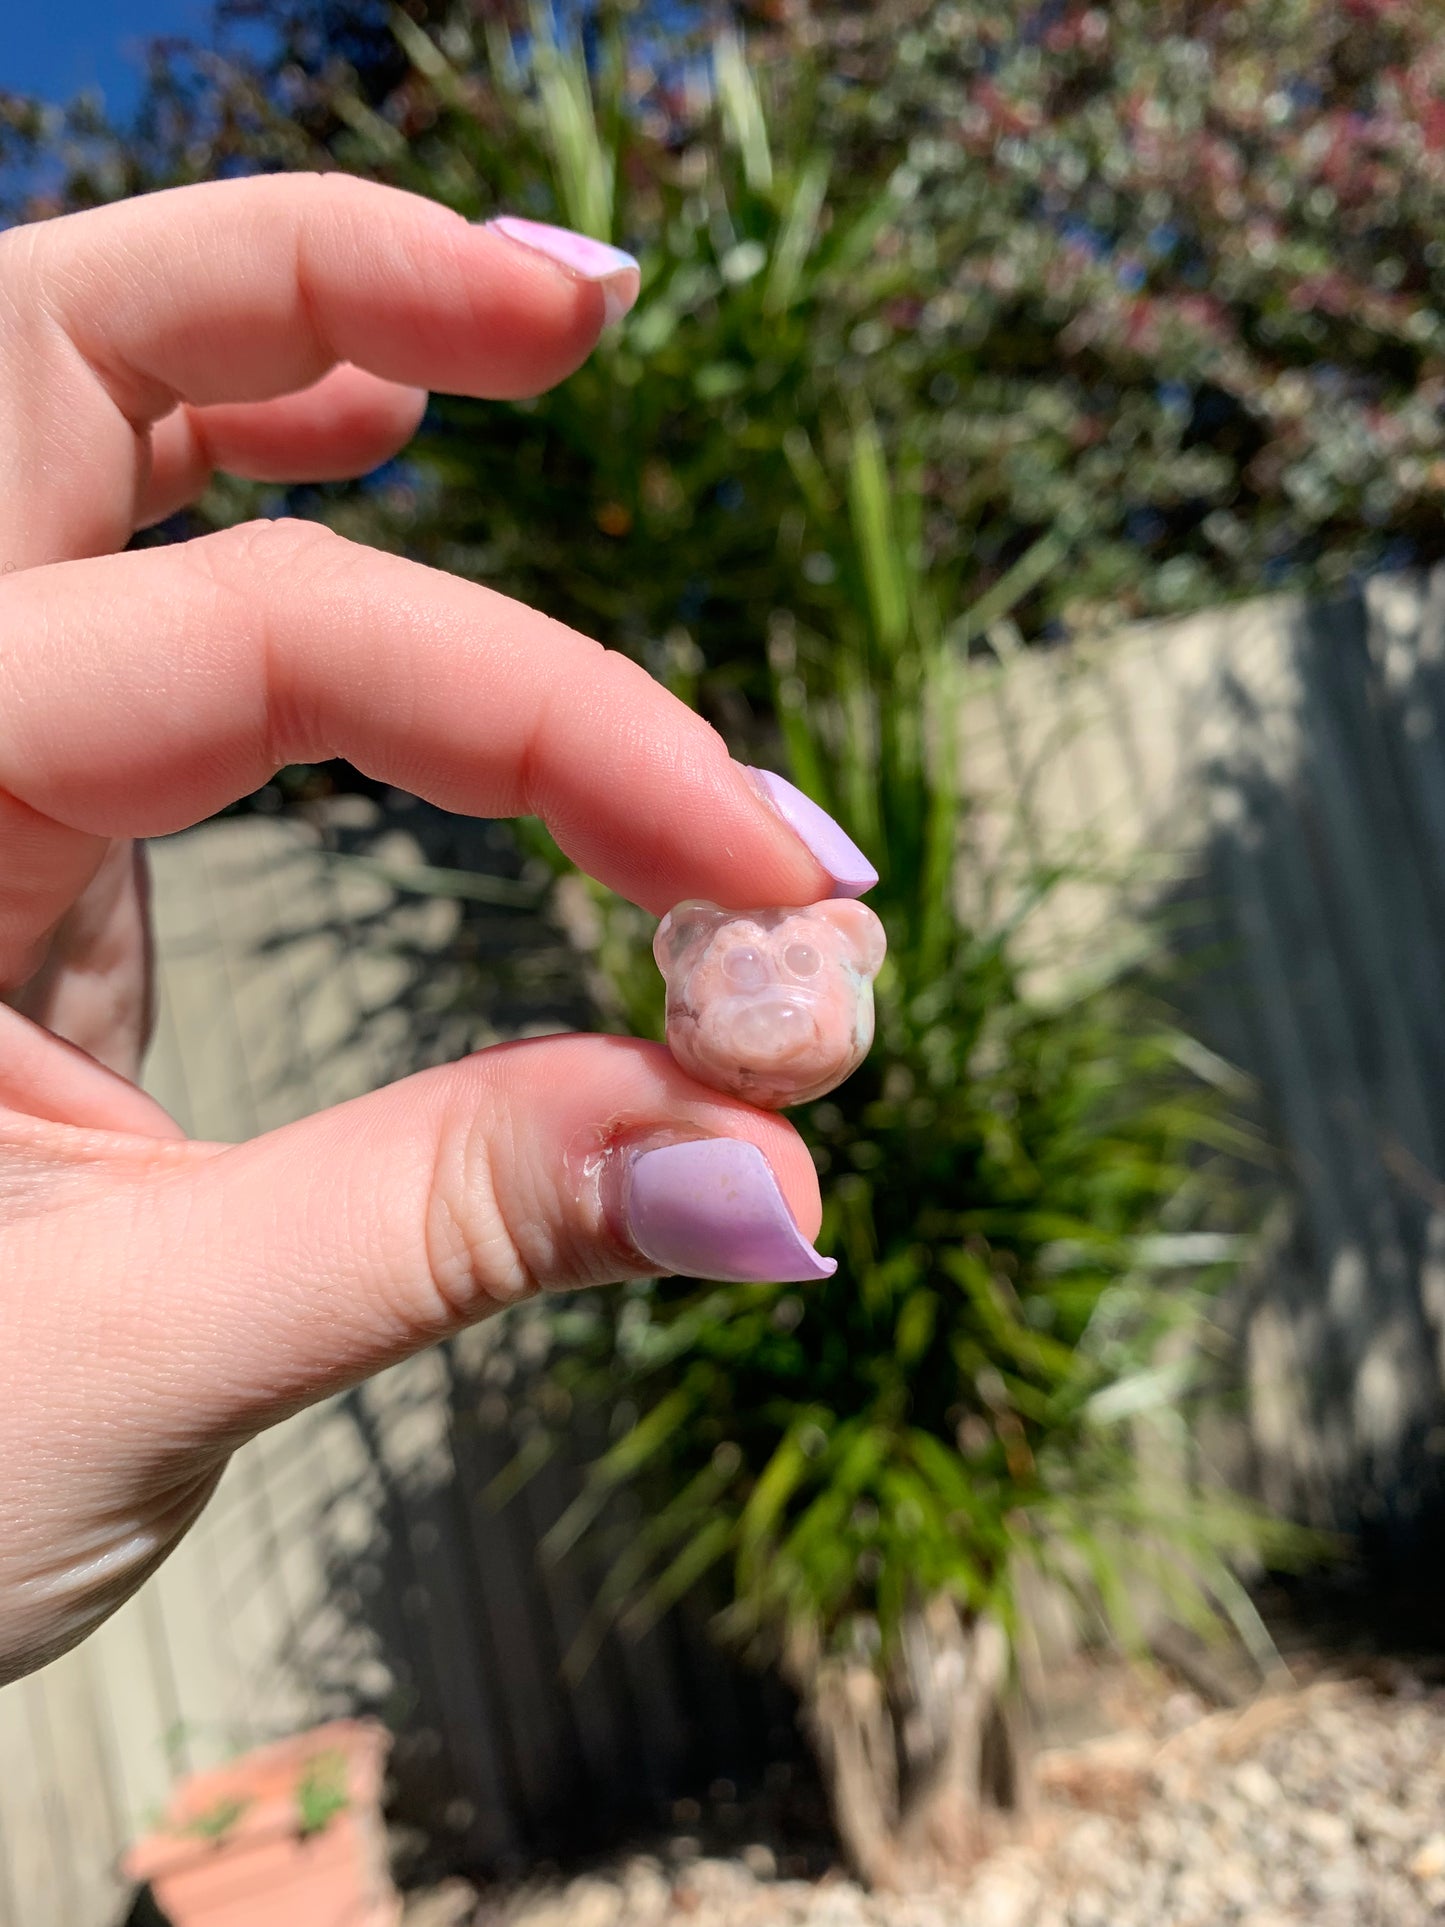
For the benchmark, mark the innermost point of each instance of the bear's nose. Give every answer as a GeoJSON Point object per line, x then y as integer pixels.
{"type": "Point", "coordinates": [770, 1030]}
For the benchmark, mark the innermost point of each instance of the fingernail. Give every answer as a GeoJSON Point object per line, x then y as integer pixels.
{"type": "Point", "coordinates": [839, 855]}
{"type": "Point", "coordinates": [712, 1209]}
{"type": "Point", "coordinates": [616, 270]}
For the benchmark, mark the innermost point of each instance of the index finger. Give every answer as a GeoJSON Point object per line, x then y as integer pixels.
{"type": "Point", "coordinates": [141, 692]}
{"type": "Point", "coordinates": [239, 291]}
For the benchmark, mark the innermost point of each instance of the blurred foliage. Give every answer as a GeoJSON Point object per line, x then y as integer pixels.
{"type": "Point", "coordinates": [1166, 272]}
{"type": "Point", "coordinates": [321, 1792]}
{"type": "Point", "coordinates": [1032, 1204]}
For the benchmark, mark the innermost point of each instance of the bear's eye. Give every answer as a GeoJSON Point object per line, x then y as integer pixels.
{"type": "Point", "coordinates": [802, 959]}
{"type": "Point", "coordinates": [744, 968]}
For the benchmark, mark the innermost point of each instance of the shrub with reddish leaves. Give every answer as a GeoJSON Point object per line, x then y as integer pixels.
{"type": "Point", "coordinates": [1168, 276]}
{"type": "Point", "coordinates": [1182, 270]}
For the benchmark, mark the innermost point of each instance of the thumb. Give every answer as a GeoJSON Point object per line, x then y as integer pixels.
{"type": "Point", "coordinates": [296, 1264]}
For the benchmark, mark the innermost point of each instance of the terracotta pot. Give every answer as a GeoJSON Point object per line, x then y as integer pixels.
{"type": "Point", "coordinates": [233, 1851]}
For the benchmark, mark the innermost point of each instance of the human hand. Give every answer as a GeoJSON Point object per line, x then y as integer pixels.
{"type": "Point", "coordinates": [162, 1300]}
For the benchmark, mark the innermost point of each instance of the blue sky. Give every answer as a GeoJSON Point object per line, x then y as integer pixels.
{"type": "Point", "coordinates": [56, 47]}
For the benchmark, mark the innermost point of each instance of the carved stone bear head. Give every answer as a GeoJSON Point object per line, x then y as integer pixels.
{"type": "Point", "coordinates": [773, 1005]}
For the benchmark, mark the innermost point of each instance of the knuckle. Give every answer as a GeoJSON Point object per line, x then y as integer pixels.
{"type": "Point", "coordinates": [266, 549]}
{"type": "Point", "coordinates": [18, 249]}
{"type": "Point", "coordinates": [331, 187]}
{"type": "Point", "coordinates": [638, 688]}
{"type": "Point", "coordinates": [474, 1259]}
{"type": "Point", "coordinates": [26, 253]}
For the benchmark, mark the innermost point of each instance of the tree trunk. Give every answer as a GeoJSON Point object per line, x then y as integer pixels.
{"type": "Point", "coordinates": [963, 1765]}
{"type": "Point", "coordinates": [851, 1726]}
{"type": "Point", "coordinates": [917, 1761]}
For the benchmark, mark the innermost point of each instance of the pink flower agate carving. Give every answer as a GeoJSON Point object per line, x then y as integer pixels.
{"type": "Point", "coordinates": [773, 1005]}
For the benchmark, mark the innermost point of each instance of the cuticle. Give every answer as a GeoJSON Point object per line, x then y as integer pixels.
{"type": "Point", "coordinates": [600, 1160]}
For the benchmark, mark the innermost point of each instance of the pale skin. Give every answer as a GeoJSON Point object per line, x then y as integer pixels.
{"type": "Point", "coordinates": [162, 1300]}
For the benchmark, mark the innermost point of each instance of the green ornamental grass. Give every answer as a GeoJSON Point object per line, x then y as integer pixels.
{"type": "Point", "coordinates": [1032, 1201]}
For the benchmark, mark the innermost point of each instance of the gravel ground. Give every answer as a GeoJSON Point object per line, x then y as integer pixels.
{"type": "Point", "coordinates": [1324, 1805]}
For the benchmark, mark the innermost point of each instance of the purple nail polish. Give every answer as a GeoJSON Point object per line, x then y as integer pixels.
{"type": "Point", "coordinates": [712, 1209]}
{"type": "Point", "coordinates": [615, 269]}
{"type": "Point", "coordinates": [839, 855]}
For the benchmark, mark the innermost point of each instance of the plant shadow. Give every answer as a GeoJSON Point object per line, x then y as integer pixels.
{"type": "Point", "coordinates": [1310, 938]}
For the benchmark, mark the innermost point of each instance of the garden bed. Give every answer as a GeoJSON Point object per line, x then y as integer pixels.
{"type": "Point", "coordinates": [1324, 1804]}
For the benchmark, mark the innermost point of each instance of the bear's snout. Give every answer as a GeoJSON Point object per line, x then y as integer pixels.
{"type": "Point", "coordinates": [767, 1030]}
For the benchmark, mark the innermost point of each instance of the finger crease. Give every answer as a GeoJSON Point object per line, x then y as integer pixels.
{"type": "Point", "coordinates": [474, 1260]}
{"type": "Point", "coordinates": [139, 397]}
{"type": "Point", "coordinates": [307, 309]}
{"type": "Point", "coordinates": [201, 453]}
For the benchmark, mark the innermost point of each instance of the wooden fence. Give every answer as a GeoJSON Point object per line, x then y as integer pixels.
{"type": "Point", "coordinates": [1271, 779]}
{"type": "Point", "coordinates": [1274, 775]}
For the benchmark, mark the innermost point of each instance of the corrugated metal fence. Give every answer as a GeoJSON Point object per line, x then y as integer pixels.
{"type": "Point", "coordinates": [1275, 774]}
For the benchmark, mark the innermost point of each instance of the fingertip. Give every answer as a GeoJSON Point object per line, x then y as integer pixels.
{"type": "Point", "coordinates": [847, 869]}
{"type": "Point", "coordinates": [713, 1208]}
{"type": "Point", "coordinates": [356, 423]}
{"type": "Point", "coordinates": [582, 1104]}
{"type": "Point", "coordinates": [342, 426]}
{"type": "Point", "coordinates": [620, 294]}
{"type": "Point", "coordinates": [609, 268]}
{"type": "Point", "coordinates": [540, 316]}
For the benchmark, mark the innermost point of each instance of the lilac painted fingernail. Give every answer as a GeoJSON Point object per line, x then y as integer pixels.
{"type": "Point", "coordinates": [839, 855]}
{"type": "Point", "coordinates": [713, 1209]}
{"type": "Point", "coordinates": [616, 270]}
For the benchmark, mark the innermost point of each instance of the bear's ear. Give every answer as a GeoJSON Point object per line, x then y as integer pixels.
{"type": "Point", "coordinates": [859, 928]}
{"type": "Point", "coordinates": [684, 933]}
